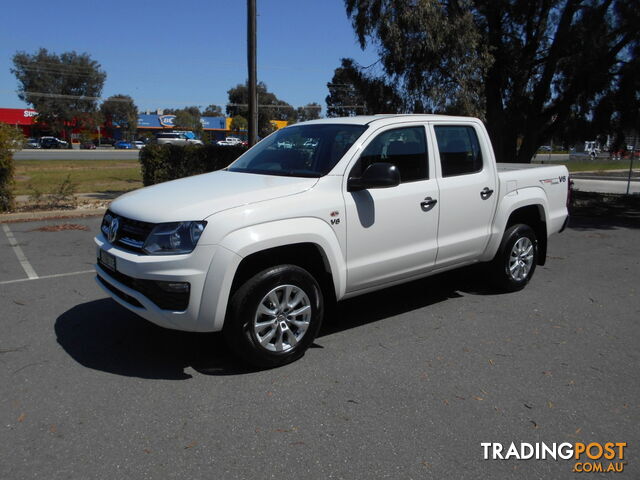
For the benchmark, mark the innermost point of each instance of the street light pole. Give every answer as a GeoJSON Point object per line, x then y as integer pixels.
{"type": "Point", "coordinates": [633, 152]}
{"type": "Point", "coordinates": [251, 63]}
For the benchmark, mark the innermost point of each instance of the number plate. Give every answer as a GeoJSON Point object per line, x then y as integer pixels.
{"type": "Point", "coordinates": [108, 260]}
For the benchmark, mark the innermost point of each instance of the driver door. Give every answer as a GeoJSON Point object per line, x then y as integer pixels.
{"type": "Point", "coordinates": [392, 232]}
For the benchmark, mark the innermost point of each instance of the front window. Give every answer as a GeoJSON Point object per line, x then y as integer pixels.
{"type": "Point", "coordinates": [300, 151]}
{"type": "Point", "coordinates": [406, 148]}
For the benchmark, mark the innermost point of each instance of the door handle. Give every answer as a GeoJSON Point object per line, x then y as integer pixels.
{"type": "Point", "coordinates": [485, 193]}
{"type": "Point", "coordinates": [428, 204]}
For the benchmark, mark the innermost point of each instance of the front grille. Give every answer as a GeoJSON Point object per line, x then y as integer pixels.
{"type": "Point", "coordinates": [131, 234]}
{"type": "Point", "coordinates": [175, 301]}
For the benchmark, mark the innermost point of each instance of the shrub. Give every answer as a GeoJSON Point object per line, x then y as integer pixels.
{"type": "Point", "coordinates": [64, 194]}
{"type": "Point", "coordinates": [10, 139]}
{"type": "Point", "coordinates": [161, 163]}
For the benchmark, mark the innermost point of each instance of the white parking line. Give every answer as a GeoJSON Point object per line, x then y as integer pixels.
{"type": "Point", "coordinates": [28, 269]}
{"type": "Point", "coordinates": [82, 272]}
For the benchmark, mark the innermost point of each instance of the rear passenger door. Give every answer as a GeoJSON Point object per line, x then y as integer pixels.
{"type": "Point", "coordinates": [467, 182]}
{"type": "Point", "coordinates": [392, 232]}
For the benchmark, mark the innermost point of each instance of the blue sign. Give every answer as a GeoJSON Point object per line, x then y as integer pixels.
{"type": "Point", "coordinates": [166, 120]}
{"type": "Point", "coordinates": [214, 123]}
{"type": "Point", "coordinates": [148, 121]}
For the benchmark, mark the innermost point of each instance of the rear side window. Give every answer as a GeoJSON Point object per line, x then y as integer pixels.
{"type": "Point", "coordinates": [459, 150]}
{"type": "Point", "coordinates": [406, 148]}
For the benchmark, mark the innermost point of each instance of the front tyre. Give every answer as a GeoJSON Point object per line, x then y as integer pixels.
{"type": "Point", "coordinates": [274, 316]}
{"type": "Point", "coordinates": [517, 257]}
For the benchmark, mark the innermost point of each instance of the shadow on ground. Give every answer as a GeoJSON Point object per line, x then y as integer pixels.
{"type": "Point", "coordinates": [104, 336]}
{"type": "Point", "coordinates": [598, 211]}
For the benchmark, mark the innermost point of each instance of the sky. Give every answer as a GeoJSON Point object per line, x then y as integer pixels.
{"type": "Point", "coordinates": [168, 54]}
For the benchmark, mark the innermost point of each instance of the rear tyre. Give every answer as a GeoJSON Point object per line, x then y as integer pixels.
{"type": "Point", "coordinates": [274, 316]}
{"type": "Point", "coordinates": [516, 260]}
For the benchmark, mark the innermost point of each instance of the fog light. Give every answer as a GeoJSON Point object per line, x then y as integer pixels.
{"type": "Point", "coordinates": [174, 287]}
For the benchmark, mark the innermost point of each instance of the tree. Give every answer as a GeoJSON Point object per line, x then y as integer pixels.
{"type": "Point", "coordinates": [269, 107]}
{"type": "Point", "coordinates": [64, 88]}
{"type": "Point", "coordinates": [188, 118]}
{"type": "Point", "coordinates": [213, 111]}
{"type": "Point", "coordinates": [238, 123]}
{"type": "Point", "coordinates": [526, 66]}
{"type": "Point", "coordinates": [10, 139]}
{"type": "Point", "coordinates": [619, 108]}
{"type": "Point", "coordinates": [311, 111]}
{"type": "Point", "coordinates": [354, 92]}
{"type": "Point", "coordinates": [120, 110]}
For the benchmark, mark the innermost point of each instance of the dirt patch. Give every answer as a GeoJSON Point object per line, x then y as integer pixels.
{"type": "Point", "coordinates": [61, 227]}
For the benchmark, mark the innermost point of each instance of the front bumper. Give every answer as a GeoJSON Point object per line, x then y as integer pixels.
{"type": "Point", "coordinates": [192, 268]}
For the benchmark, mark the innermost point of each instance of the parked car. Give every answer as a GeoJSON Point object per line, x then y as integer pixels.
{"type": "Point", "coordinates": [123, 145]}
{"type": "Point", "coordinates": [88, 146]}
{"type": "Point", "coordinates": [258, 250]}
{"type": "Point", "coordinates": [32, 143]}
{"type": "Point", "coordinates": [53, 142]}
{"type": "Point", "coordinates": [139, 144]}
{"type": "Point", "coordinates": [176, 138]}
{"type": "Point", "coordinates": [230, 142]}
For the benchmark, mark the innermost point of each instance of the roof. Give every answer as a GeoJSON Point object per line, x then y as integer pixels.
{"type": "Point", "coordinates": [386, 118]}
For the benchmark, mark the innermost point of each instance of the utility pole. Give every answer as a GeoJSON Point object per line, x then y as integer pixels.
{"type": "Point", "coordinates": [251, 63]}
{"type": "Point", "coordinates": [633, 152]}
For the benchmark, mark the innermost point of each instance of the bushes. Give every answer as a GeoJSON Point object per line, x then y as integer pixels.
{"type": "Point", "coordinates": [161, 163]}
{"type": "Point", "coordinates": [10, 139]}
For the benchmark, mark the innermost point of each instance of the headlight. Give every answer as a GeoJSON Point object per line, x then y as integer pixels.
{"type": "Point", "coordinates": [174, 238]}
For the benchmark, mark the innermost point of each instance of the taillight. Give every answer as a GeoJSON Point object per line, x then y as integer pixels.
{"type": "Point", "coordinates": [569, 189]}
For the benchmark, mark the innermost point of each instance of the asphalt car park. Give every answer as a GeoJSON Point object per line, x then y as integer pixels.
{"type": "Point", "coordinates": [402, 383]}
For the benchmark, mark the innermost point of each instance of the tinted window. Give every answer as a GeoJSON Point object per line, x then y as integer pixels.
{"type": "Point", "coordinates": [403, 147]}
{"type": "Point", "coordinates": [459, 150]}
{"type": "Point", "coordinates": [300, 151]}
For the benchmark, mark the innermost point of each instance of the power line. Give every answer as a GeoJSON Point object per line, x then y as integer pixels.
{"type": "Point", "coordinates": [59, 72]}
{"type": "Point", "coordinates": [88, 98]}
{"type": "Point", "coordinates": [309, 107]}
{"type": "Point", "coordinates": [71, 97]}
{"type": "Point", "coordinates": [58, 65]}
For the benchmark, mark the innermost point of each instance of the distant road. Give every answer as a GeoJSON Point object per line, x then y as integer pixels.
{"type": "Point", "coordinates": [37, 154]}
{"type": "Point", "coordinates": [605, 186]}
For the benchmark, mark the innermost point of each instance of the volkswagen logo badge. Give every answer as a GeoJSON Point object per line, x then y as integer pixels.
{"type": "Point", "coordinates": [112, 233]}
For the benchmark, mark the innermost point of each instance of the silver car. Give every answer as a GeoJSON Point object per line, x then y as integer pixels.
{"type": "Point", "coordinates": [176, 138]}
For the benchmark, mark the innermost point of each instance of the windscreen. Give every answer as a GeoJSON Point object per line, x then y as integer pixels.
{"type": "Point", "coordinates": [300, 151]}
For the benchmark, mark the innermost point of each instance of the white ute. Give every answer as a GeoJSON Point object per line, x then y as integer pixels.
{"type": "Point", "coordinates": [357, 204]}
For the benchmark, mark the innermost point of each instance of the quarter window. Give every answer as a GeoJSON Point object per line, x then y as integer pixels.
{"type": "Point", "coordinates": [403, 147]}
{"type": "Point", "coordinates": [459, 148]}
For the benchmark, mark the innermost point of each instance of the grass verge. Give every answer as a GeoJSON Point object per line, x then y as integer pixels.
{"type": "Point", "coordinates": [598, 166]}
{"type": "Point", "coordinates": [591, 165]}
{"type": "Point", "coordinates": [87, 175]}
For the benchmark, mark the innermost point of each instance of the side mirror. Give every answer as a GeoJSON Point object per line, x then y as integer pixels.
{"type": "Point", "coordinates": [376, 175]}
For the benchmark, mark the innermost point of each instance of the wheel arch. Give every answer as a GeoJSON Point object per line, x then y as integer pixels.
{"type": "Point", "coordinates": [307, 242]}
{"type": "Point", "coordinates": [307, 255]}
{"type": "Point", "coordinates": [526, 205]}
{"type": "Point", "coordinates": [534, 217]}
